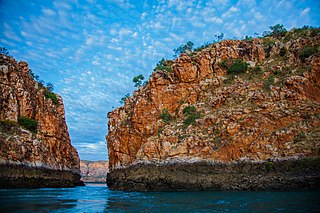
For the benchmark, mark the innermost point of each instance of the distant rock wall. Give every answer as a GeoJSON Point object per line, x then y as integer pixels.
{"type": "Point", "coordinates": [48, 147]}
{"type": "Point", "coordinates": [271, 111]}
{"type": "Point", "coordinates": [94, 171]}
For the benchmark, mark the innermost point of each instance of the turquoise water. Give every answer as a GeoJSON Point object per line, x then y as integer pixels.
{"type": "Point", "coordinates": [98, 198]}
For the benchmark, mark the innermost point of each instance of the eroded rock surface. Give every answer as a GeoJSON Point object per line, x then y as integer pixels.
{"type": "Point", "coordinates": [23, 151]}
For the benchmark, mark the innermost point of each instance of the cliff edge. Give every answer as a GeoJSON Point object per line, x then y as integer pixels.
{"type": "Point", "coordinates": [35, 147]}
{"type": "Point", "coordinates": [239, 114]}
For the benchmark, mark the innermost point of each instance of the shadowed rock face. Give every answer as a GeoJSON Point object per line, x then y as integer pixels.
{"type": "Point", "coordinates": [94, 171]}
{"type": "Point", "coordinates": [49, 147]}
{"type": "Point", "coordinates": [272, 111]}
{"type": "Point", "coordinates": [276, 175]}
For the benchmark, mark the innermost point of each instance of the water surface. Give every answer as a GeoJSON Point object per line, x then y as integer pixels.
{"type": "Point", "coordinates": [98, 198]}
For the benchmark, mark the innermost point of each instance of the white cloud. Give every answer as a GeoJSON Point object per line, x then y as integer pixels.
{"type": "Point", "coordinates": [284, 5]}
{"type": "Point", "coordinates": [233, 9]}
{"type": "Point", "coordinates": [48, 12]}
{"type": "Point", "coordinates": [158, 26]}
{"type": "Point", "coordinates": [12, 36]}
{"type": "Point", "coordinates": [62, 5]}
{"type": "Point", "coordinates": [124, 32]}
{"type": "Point", "coordinates": [91, 148]}
{"type": "Point", "coordinates": [122, 3]}
{"type": "Point", "coordinates": [214, 19]}
{"type": "Point", "coordinates": [258, 16]}
{"type": "Point", "coordinates": [143, 15]}
{"type": "Point", "coordinates": [135, 35]}
{"type": "Point", "coordinates": [230, 12]}
{"type": "Point", "coordinates": [305, 12]}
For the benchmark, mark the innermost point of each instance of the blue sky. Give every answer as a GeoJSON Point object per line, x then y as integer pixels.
{"type": "Point", "coordinates": [91, 49]}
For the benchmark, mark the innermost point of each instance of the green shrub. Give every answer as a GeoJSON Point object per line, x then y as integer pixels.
{"type": "Point", "coordinates": [299, 137]}
{"type": "Point", "coordinates": [314, 32]}
{"type": "Point", "coordinates": [4, 51]}
{"type": "Point", "coordinates": [164, 65]}
{"type": "Point", "coordinates": [224, 64]}
{"type": "Point", "coordinates": [238, 66]}
{"type": "Point", "coordinates": [192, 115]}
{"type": "Point", "coordinates": [34, 76]}
{"type": "Point", "coordinates": [51, 96]}
{"type": "Point", "coordinates": [268, 82]}
{"type": "Point", "coordinates": [256, 70]}
{"type": "Point", "coordinates": [165, 116]}
{"type": "Point", "coordinates": [50, 87]}
{"type": "Point", "coordinates": [270, 166]}
{"type": "Point", "coordinates": [306, 52]}
{"type": "Point", "coordinates": [138, 80]}
{"type": "Point", "coordinates": [183, 48]}
{"type": "Point", "coordinates": [28, 123]}
{"type": "Point", "coordinates": [8, 123]}
{"type": "Point", "coordinates": [283, 51]}
{"type": "Point", "coordinates": [189, 110]}
{"type": "Point", "coordinates": [268, 43]}
{"type": "Point", "coordinates": [198, 49]}
{"type": "Point", "coordinates": [248, 38]}
{"type": "Point", "coordinates": [278, 31]}
{"type": "Point", "coordinates": [228, 80]}
{"type": "Point", "coordinates": [123, 99]}
{"type": "Point", "coordinates": [191, 119]}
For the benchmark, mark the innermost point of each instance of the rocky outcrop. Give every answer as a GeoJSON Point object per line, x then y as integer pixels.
{"type": "Point", "coordinates": [243, 175]}
{"type": "Point", "coordinates": [35, 147]}
{"type": "Point", "coordinates": [94, 171]}
{"type": "Point", "coordinates": [269, 112]}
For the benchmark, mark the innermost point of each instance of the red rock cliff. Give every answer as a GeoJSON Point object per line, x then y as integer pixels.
{"type": "Point", "coordinates": [271, 111]}
{"type": "Point", "coordinates": [49, 146]}
{"type": "Point", "coordinates": [94, 171]}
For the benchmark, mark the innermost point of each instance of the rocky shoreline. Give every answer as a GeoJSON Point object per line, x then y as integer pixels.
{"type": "Point", "coordinates": [298, 174]}
{"type": "Point", "coordinates": [22, 176]}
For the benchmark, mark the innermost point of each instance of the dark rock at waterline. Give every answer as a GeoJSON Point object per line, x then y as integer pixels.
{"type": "Point", "coordinates": [273, 175]}
{"type": "Point", "coordinates": [20, 176]}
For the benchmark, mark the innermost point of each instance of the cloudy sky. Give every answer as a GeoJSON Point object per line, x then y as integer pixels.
{"type": "Point", "coordinates": [91, 49]}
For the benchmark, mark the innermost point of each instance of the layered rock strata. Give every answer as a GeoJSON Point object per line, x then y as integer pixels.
{"type": "Point", "coordinates": [270, 112]}
{"type": "Point", "coordinates": [41, 156]}
{"type": "Point", "coordinates": [94, 171]}
{"type": "Point", "coordinates": [286, 174]}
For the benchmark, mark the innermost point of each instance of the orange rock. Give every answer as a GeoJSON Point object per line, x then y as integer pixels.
{"type": "Point", "coordinates": [20, 96]}
{"type": "Point", "coordinates": [242, 119]}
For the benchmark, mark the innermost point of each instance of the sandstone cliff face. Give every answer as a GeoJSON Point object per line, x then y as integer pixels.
{"type": "Point", "coordinates": [49, 147]}
{"type": "Point", "coordinates": [94, 171]}
{"type": "Point", "coordinates": [269, 114]}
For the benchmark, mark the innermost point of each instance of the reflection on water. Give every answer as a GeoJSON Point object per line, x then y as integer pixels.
{"type": "Point", "coordinates": [98, 198]}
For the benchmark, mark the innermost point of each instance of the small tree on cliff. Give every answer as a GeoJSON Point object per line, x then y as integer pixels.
{"type": "Point", "coordinates": [138, 80]}
{"type": "Point", "coordinates": [187, 47]}
{"type": "Point", "coordinates": [50, 87]}
{"type": "Point", "coordinates": [123, 99]}
{"type": "Point", "coordinates": [219, 37]}
{"type": "Point", "coordinates": [277, 31]}
{"type": "Point", "coordinates": [4, 51]}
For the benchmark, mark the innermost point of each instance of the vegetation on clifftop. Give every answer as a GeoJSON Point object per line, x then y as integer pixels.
{"type": "Point", "coordinates": [270, 39]}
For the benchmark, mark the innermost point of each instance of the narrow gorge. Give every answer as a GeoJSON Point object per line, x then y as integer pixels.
{"type": "Point", "coordinates": [236, 115]}
{"type": "Point", "coordinates": [35, 147]}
